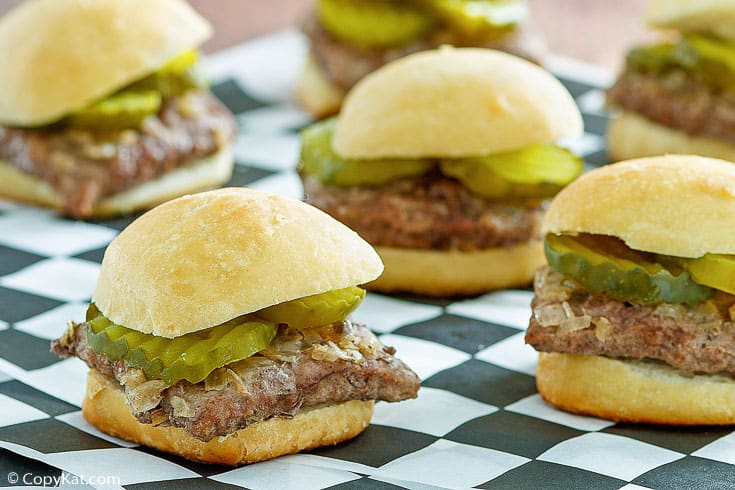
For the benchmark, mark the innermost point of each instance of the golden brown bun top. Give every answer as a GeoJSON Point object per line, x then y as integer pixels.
{"type": "Point", "coordinates": [712, 16]}
{"type": "Point", "coordinates": [59, 55]}
{"type": "Point", "coordinates": [203, 259]}
{"type": "Point", "coordinates": [454, 102]}
{"type": "Point", "coordinates": [680, 205]}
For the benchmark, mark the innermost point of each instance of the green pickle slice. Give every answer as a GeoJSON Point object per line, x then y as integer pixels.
{"type": "Point", "coordinates": [190, 357]}
{"type": "Point", "coordinates": [320, 161]}
{"type": "Point", "coordinates": [176, 77]}
{"type": "Point", "coordinates": [535, 171]}
{"type": "Point", "coordinates": [602, 263]}
{"type": "Point", "coordinates": [713, 270]}
{"type": "Point", "coordinates": [123, 110]}
{"type": "Point", "coordinates": [317, 310]}
{"type": "Point", "coordinates": [476, 17]}
{"type": "Point", "coordinates": [375, 23]}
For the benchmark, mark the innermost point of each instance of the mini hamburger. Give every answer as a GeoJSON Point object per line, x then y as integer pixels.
{"type": "Point", "coordinates": [351, 38]}
{"type": "Point", "coordinates": [219, 331]}
{"type": "Point", "coordinates": [443, 161]}
{"type": "Point", "coordinates": [634, 317]}
{"type": "Point", "coordinates": [102, 108]}
{"type": "Point", "coordinates": [677, 96]}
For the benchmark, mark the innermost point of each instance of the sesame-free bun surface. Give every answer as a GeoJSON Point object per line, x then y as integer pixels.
{"type": "Point", "coordinates": [452, 103]}
{"type": "Point", "coordinates": [710, 16]}
{"type": "Point", "coordinates": [634, 391]}
{"type": "Point", "coordinates": [203, 259]}
{"type": "Point", "coordinates": [630, 135]}
{"type": "Point", "coordinates": [315, 92]}
{"type": "Point", "coordinates": [59, 55]}
{"type": "Point", "coordinates": [680, 205]}
{"type": "Point", "coordinates": [451, 273]}
{"type": "Point", "coordinates": [104, 407]}
{"type": "Point", "coordinates": [199, 175]}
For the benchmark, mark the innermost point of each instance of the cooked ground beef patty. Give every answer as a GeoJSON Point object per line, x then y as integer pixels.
{"type": "Point", "coordinates": [677, 100]}
{"type": "Point", "coordinates": [566, 318]}
{"type": "Point", "coordinates": [345, 64]}
{"type": "Point", "coordinates": [297, 371]}
{"type": "Point", "coordinates": [84, 166]}
{"type": "Point", "coordinates": [427, 212]}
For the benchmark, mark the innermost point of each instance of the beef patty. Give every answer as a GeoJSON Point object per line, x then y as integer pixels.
{"type": "Point", "coordinates": [566, 318]}
{"type": "Point", "coordinates": [299, 370]}
{"type": "Point", "coordinates": [345, 64]}
{"type": "Point", "coordinates": [677, 100]}
{"type": "Point", "coordinates": [427, 212]}
{"type": "Point", "coordinates": [84, 166]}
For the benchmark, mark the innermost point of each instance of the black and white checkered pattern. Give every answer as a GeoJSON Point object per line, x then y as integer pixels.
{"type": "Point", "coordinates": [478, 421]}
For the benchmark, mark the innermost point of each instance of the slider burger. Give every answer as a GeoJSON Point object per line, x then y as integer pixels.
{"type": "Point", "coordinates": [677, 96]}
{"type": "Point", "coordinates": [351, 38]}
{"type": "Point", "coordinates": [219, 331]}
{"type": "Point", "coordinates": [443, 161]}
{"type": "Point", "coordinates": [102, 108]}
{"type": "Point", "coordinates": [634, 317]}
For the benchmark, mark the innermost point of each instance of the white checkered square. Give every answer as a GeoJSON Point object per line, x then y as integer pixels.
{"type": "Point", "coordinates": [285, 184]}
{"type": "Point", "coordinates": [279, 474]}
{"type": "Point", "coordinates": [52, 323]}
{"type": "Point", "coordinates": [507, 308]}
{"type": "Point", "coordinates": [66, 380]}
{"type": "Point", "coordinates": [273, 119]}
{"type": "Point", "coordinates": [723, 450]}
{"type": "Point", "coordinates": [425, 358]}
{"type": "Point", "coordinates": [59, 278]}
{"type": "Point", "coordinates": [129, 465]}
{"type": "Point", "coordinates": [535, 406]}
{"type": "Point", "coordinates": [611, 455]}
{"type": "Point", "coordinates": [273, 152]}
{"type": "Point", "coordinates": [447, 464]}
{"type": "Point", "coordinates": [40, 232]}
{"type": "Point", "coordinates": [3, 325]}
{"type": "Point", "coordinates": [511, 353]}
{"type": "Point", "coordinates": [14, 412]}
{"type": "Point", "coordinates": [435, 412]}
{"type": "Point", "coordinates": [584, 145]}
{"type": "Point", "coordinates": [384, 314]}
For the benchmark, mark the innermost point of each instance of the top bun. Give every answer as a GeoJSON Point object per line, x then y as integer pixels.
{"type": "Point", "coordinates": [680, 205]}
{"type": "Point", "coordinates": [710, 16]}
{"type": "Point", "coordinates": [59, 55]}
{"type": "Point", "coordinates": [452, 103]}
{"type": "Point", "coordinates": [203, 259]}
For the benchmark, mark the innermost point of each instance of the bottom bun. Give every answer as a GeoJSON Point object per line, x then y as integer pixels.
{"type": "Point", "coordinates": [316, 93]}
{"type": "Point", "coordinates": [200, 175]}
{"type": "Point", "coordinates": [104, 407]}
{"type": "Point", "coordinates": [451, 273]}
{"type": "Point", "coordinates": [634, 391]}
{"type": "Point", "coordinates": [632, 136]}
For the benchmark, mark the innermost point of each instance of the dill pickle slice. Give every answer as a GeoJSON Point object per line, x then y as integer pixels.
{"type": "Point", "coordinates": [476, 17]}
{"type": "Point", "coordinates": [317, 310]}
{"type": "Point", "coordinates": [190, 357]}
{"type": "Point", "coordinates": [605, 264]}
{"type": "Point", "coordinates": [176, 77]}
{"type": "Point", "coordinates": [120, 111]}
{"type": "Point", "coordinates": [320, 161]}
{"type": "Point", "coordinates": [374, 24]}
{"type": "Point", "coordinates": [535, 171]}
{"type": "Point", "coordinates": [654, 59]}
{"type": "Point", "coordinates": [714, 270]}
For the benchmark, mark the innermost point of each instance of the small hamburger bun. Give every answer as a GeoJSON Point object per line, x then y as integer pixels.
{"type": "Point", "coordinates": [315, 92]}
{"type": "Point", "coordinates": [674, 205]}
{"type": "Point", "coordinates": [104, 406]}
{"type": "Point", "coordinates": [57, 69]}
{"type": "Point", "coordinates": [191, 263]}
{"type": "Point", "coordinates": [630, 135]}
{"type": "Point", "coordinates": [454, 103]}
{"type": "Point", "coordinates": [634, 391]}
{"type": "Point", "coordinates": [715, 17]}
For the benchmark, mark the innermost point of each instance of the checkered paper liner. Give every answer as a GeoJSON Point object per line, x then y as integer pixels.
{"type": "Point", "coordinates": [478, 420]}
